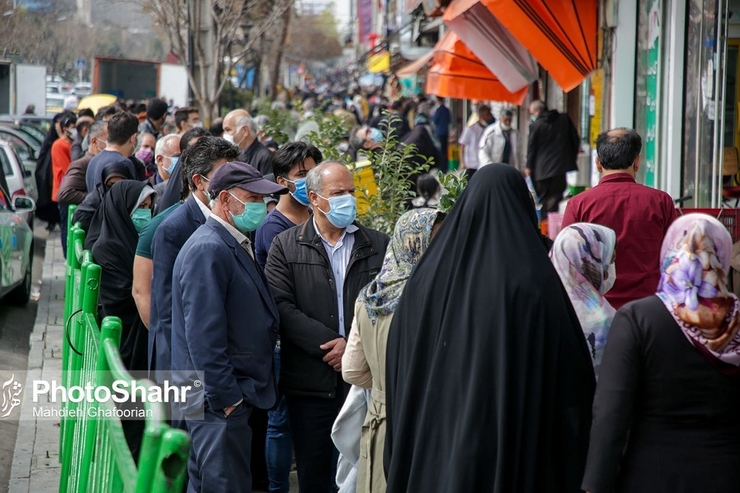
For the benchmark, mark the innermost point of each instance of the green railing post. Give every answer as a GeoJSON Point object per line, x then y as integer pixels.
{"type": "Point", "coordinates": [172, 461]}
{"type": "Point", "coordinates": [110, 331]}
{"type": "Point", "coordinates": [94, 454]}
{"type": "Point", "coordinates": [71, 305]}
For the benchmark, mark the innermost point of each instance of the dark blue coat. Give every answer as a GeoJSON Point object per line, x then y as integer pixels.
{"type": "Point", "coordinates": [224, 322]}
{"type": "Point", "coordinates": [169, 238]}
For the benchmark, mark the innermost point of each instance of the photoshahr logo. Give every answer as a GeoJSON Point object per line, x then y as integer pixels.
{"type": "Point", "coordinates": [11, 392]}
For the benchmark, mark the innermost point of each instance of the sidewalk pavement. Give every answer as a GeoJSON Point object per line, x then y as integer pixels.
{"type": "Point", "coordinates": [36, 465]}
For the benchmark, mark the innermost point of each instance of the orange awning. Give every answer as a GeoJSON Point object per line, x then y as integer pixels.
{"type": "Point", "coordinates": [492, 43]}
{"type": "Point", "coordinates": [457, 73]}
{"type": "Point", "coordinates": [560, 34]}
{"type": "Point", "coordinates": [413, 68]}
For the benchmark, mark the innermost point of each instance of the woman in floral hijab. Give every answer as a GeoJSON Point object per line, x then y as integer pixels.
{"type": "Point", "coordinates": [363, 363]}
{"type": "Point", "coordinates": [583, 255]}
{"type": "Point", "coordinates": [693, 286]}
{"type": "Point", "coordinates": [665, 410]}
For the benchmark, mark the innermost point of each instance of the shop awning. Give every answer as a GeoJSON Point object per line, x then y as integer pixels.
{"type": "Point", "coordinates": [559, 34]}
{"type": "Point", "coordinates": [413, 68]}
{"type": "Point", "coordinates": [457, 73]}
{"type": "Point", "coordinates": [495, 46]}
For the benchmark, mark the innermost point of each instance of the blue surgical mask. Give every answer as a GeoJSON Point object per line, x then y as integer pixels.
{"type": "Point", "coordinates": [173, 163]}
{"type": "Point", "coordinates": [533, 118]}
{"type": "Point", "coordinates": [141, 218]}
{"type": "Point", "coordinates": [301, 194]}
{"type": "Point", "coordinates": [343, 210]}
{"type": "Point", "coordinates": [376, 135]}
{"type": "Point", "coordinates": [252, 217]}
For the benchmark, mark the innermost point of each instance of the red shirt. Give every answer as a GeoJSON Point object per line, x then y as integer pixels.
{"type": "Point", "coordinates": [640, 217]}
{"type": "Point", "coordinates": [61, 157]}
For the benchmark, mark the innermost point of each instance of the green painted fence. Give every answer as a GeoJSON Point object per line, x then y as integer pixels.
{"type": "Point", "coordinates": [93, 451]}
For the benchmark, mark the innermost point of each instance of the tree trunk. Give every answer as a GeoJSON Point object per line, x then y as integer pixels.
{"type": "Point", "coordinates": [275, 73]}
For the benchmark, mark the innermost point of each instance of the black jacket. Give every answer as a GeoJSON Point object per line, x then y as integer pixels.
{"type": "Point", "coordinates": [258, 156]}
{"type": "Point", "coordinates": [553, 146]}
{"type": "Point", "coordinates": [302, 281]}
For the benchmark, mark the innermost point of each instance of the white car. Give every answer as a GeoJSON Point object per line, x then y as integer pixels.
{"type": "Point", "coordinates": [19, 180]}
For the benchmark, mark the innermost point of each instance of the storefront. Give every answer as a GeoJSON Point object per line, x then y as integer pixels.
{"type": "Point", "coordinates": [685, 95]}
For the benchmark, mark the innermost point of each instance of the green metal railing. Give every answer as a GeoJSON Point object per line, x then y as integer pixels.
{"type": "Point", "coordinates": [93, 451]}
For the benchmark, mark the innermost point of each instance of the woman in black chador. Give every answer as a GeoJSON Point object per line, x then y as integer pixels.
{"type": "Point", "coordinates": [489, 379]}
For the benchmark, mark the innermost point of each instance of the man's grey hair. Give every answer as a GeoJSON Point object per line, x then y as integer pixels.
{"type": "Point", "coordinates": [97, 129]}
{"type": "Point", "coordinates": [246, 121]}
{"type": "Point", "coordinates": [162, 144]}
{"type": "Point", "coordinates": [315, 177]}
{"type": "Point", "coordinates": [538, 105]}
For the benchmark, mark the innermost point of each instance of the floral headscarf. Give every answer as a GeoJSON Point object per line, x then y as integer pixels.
{"type": "Point", "coordinates": [582, 255]}
{"type": "Point", "coordinates": [693, 285]}
{"type": "Point", "coordinates": [410, 240]}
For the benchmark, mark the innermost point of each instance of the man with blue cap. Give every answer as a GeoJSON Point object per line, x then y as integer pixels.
{"type": "Point", "coordinates": [224, 328]}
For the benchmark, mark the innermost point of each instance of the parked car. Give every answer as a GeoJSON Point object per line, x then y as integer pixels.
{"type": "Point", "coordinates": [30, 122]}
{"type": "Point", "coordinates": [19, 179]}
{"type": "Point", "coordinates": [82, 89]}
{"type": "Point", "coordinates": [25, 145]}
{"type": "Point", "coordinates": [54, 104]}
{"type": "Point", "coordinates": [16, 248]}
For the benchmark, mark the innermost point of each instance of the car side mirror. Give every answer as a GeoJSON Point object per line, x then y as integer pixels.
{"type": "Point", "coordinates": [24, 204]}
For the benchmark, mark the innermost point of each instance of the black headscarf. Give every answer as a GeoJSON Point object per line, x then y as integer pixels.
{"type": "Point", "coordinates": [489, 380]}
{"type": "Point", "coordinates": [114, 251]}
{"type": "Point", "coordinates": [46, 210]}
{"type": "Point", "coordinates": [87, 213]}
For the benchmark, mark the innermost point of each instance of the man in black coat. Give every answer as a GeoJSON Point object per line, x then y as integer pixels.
{"type": "Point", "coordinates": [551, 153]}
{"type": "Point", "coordinates": [240, 129]}
{"type": "Point", "coordinates": [316, 271]}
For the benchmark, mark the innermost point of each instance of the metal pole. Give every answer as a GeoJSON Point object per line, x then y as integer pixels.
{"type": "Point", "coordinates": [191, 65]}
{"type": "Point", "coordinates": [719, 91]}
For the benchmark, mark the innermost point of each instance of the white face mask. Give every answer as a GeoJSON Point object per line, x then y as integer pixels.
{"type": "Point", "coordinates": [505, 127]}
{"type": "Point", "coordinates": [608, 283]}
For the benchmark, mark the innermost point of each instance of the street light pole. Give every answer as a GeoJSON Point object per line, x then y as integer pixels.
{"type": "Point", "coordinates": [191, 63]}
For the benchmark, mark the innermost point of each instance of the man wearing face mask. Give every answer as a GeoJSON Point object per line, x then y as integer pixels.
{"type": "Point", "coordinates": [162, 240]}
{"type": "Point", "coordinates": [122, 131]}
{"type": "Point", "coordinates": [291, 164]}
{"type": "Point", "coordinates": [240, 129]}
{"type": "Point", "coordinates": [166, 156]}
{"type": "Point", "coordinates": [498, 144]}
{"type": "Point", "coordinates": [73, 189]}
{"type": "Point", "coordinates": [224, 325]}
{"type": "Point", "coordinates": [61, 157]}
{"type": "Point", "coordinates": [316, 271]}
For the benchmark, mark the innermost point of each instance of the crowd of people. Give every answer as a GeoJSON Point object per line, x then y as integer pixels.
{"type": "Point", "coordinates": [460, 354]}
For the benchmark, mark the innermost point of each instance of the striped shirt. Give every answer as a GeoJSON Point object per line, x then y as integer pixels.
{"type": "Point", "coordinates": [339, 257]}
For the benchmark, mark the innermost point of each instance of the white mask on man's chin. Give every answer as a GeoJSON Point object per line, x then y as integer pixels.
{"type": "Point", "coordinates": [608, 283]}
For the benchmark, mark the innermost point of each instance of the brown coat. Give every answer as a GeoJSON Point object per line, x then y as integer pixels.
{"type": "Point", "coordinates": [73, 189]}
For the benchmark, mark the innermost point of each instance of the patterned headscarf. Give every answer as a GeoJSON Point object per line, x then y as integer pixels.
{"type": "Point", "coordinates": [410, 240]}
{"type": "Point", "coordinates": [693, 285]}
{"type": "Point", "coordinates": [582, 255]}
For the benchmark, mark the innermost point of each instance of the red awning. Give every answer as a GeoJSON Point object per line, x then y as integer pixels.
{"type": "Point", "coordinates": [495, 46]}
{"type": "Point", "coordinates": [560, 34]}
{"type": "Point", "coordinates": [457, 73]}
{"type": "Point", "coordinates": [413, 68]}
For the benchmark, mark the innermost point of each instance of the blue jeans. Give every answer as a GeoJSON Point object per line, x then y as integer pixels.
{"type": "Point", "coordinates": [279, 444]}
{"type": "Point", "coordinates": [63, 209]}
